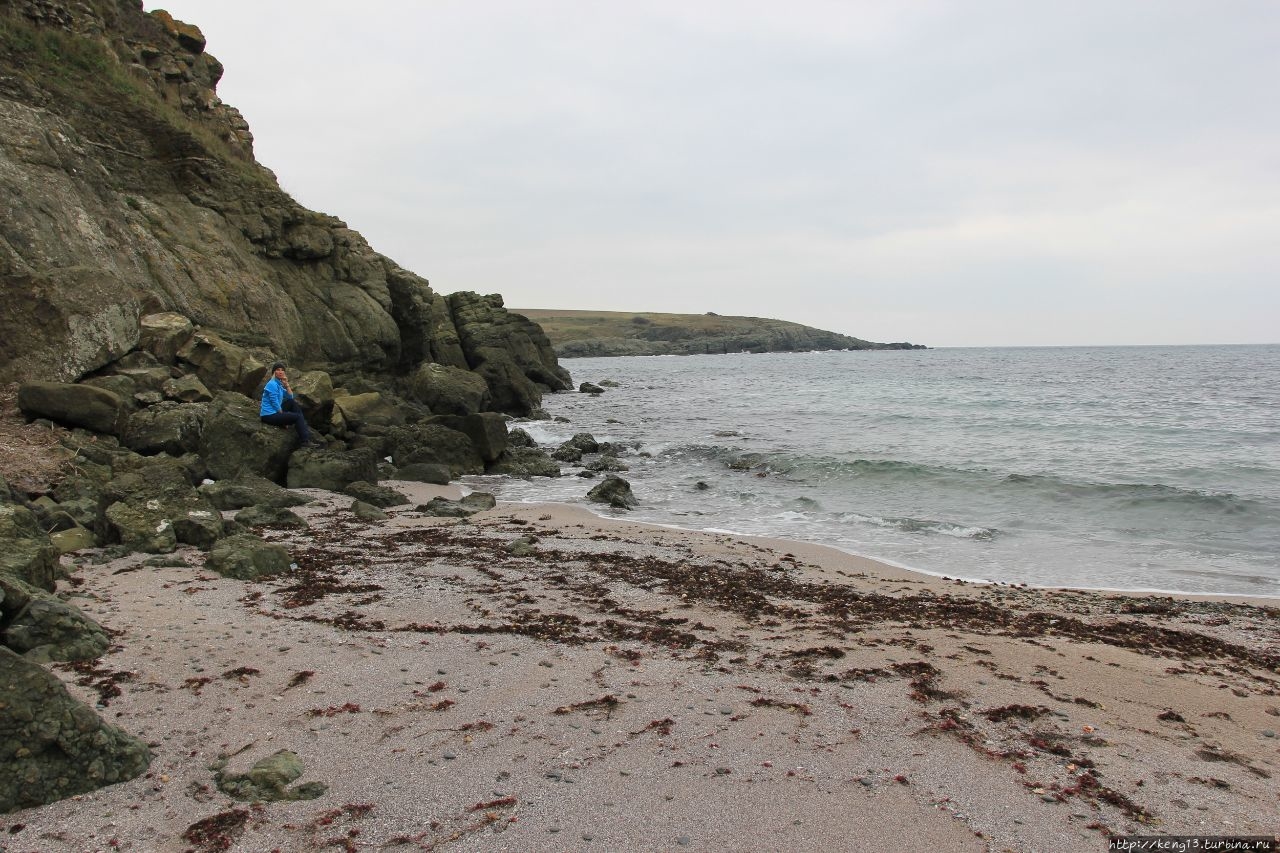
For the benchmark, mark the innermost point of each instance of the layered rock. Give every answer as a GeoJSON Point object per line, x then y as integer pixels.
{"type": "Point", "coordinates": [131, 192]}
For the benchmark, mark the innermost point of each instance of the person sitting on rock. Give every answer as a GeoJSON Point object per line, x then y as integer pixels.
{"type": "Point", "coordinates": [279, 408]}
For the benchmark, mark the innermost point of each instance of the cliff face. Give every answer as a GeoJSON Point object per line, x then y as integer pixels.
{"type": "Point", "coordinates": [129, 188]}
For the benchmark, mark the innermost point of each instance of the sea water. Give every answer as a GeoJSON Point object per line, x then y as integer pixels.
{"type": "Point", "coordinates": [1152, 468]}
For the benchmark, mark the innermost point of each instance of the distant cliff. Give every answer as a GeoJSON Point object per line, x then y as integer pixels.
{"type": "Point", "coordinates": [610, 333]}
{"type": "Point", "coordinates": [130, 188]}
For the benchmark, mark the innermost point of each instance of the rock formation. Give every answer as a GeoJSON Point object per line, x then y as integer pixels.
{"type": "Point", "coordinates": [131, 190]}
{"type": "Point", "coordinates": [150, 270]}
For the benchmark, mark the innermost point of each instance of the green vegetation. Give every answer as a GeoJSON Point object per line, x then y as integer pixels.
{"type": "Point", "coordinates": [605, 333]}
{"type": "Point", "coordinates": [88, 85]}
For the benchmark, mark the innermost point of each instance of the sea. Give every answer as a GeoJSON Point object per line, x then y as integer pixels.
{"type": "Point", "coordinates": [1126, 468]}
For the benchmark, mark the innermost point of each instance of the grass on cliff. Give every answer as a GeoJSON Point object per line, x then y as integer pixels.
{"type": "Point", "coordinates": [563, 326]}
{"type": "Point", "coordinates": [31, 457]}
{"type": "Point", "coordinates": [85, 78]}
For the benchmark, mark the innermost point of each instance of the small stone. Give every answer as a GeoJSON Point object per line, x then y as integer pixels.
{"type": "Point", "coordinates": [1268, 733]}
{"type": "Point", "coordinates": [684, 841]}
{"type": "Point", "coordinates": [449, 756]}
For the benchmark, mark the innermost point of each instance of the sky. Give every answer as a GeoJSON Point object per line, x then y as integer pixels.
{"type": "Point", "coordinates": [946, 172]}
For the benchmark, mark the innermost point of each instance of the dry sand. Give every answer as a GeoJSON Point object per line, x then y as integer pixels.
{"type": "Point", "coordinates": [627, 687]}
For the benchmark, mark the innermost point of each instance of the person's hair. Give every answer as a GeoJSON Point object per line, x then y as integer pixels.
{"type": "Point", "coordinates": [279, 365]}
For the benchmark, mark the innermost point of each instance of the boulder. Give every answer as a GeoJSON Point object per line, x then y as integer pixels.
{"type": "Point", "coordinates": [150, 505]}
{"type": "Point", "coordinates": [567, 453]}
{"type": "Point", "coordinates": [313, 390]}
{"type": "Point", "coordinates": [25, 551]}
{"type": "Point", "coordinates": [234, 440]}
{"type": "Point", "coordinates": [588, 388]}
{"type": "Point", "coordinates": [584, 441]}
{"type": "Point", "coordinates": [250, 490]}
{"type": "Point", "coordinates": [614, 491]}
{"type": "Point", "coordinates": [470, 505]}
{"type": "Point", "coordinates": [525, 462]}
{"type": "Point", "coordinates": [367, 512]}
{"type": "Point", "coordinates": [186, 389]}
{"type": "Point", "coordinates": [222, 365]}
{"type": "Point", "coordinates": [360, 411]}
{"type": "Point", "coordinates": [48, 629]}
{"type": "Point", "coordinates": [122, 386]}
{"type": "Point", "coordinates": [487, 431]}
{"type": "Point", "coordinates": [424, 472]}
{"type": "Point", "coordinates": [331, 469]}
{"type": "Point", "coordinates": [140, 530]}
{"type": "Point", "coordinates": [435, 444]}
{"type": "Point", "coordinates": [270, 516]}
{"type": "Point", "coordinates": [510, 352]}
{"type": "Point", "coordinates": [266, 781]}
{"type": "Point", "coordinates": [73, 539]}
{"type": "Point", "coordinates": [246, 557]}
{"type": "Point", "coordinates": [447, 390]}
{"type": "Point", "coordinates": [607, 463]}
{"type": "Point", "coordinates": [380, 496]}
{"type": "Point", "coordinates": [163, 335]}
{"type": "Point", "coordinates": [72, 405]}
{"type": "Point", "coordinates": [173, 428]}
{"type": "Point", "coordinates": [519, 438]}
{"type": "Point", "coordinates": [53, 746]}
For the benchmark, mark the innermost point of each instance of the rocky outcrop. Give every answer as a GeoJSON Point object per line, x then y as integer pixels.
{"type": "Point", "coordinates": [53, 746]}
{"type": "Point", "coordinates": [614, 491]}
{"type": "Point", "coordinates": [131, 192]}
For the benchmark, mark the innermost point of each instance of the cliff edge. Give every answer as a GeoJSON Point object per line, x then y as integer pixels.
{"type": "Point", "coordinates": [130, 189]}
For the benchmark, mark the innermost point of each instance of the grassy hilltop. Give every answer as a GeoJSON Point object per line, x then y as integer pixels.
{"type": "Point", "coordinates": [609, 333]}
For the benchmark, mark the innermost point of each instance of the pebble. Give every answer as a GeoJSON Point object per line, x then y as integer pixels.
{"type": "Point", "coordinates": [449, 756]}
{"type": "Point", "coordinates": [725, 710]}
{"type": "Point", "coordinates": [1268, 733]}
{"type": "Point", "coordinates": [684, 841]}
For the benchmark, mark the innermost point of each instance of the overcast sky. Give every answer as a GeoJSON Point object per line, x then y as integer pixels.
{"type": "Point", "coordinates": [954, 173]}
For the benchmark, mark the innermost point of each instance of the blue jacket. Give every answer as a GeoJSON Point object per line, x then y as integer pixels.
{"type": "Point", "coordinates": [273, 397]}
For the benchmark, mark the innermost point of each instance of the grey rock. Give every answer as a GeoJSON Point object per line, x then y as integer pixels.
{"type": "Point", "coordinates": [589, 388]}
{"type": "Point", "coordinates": [525, 462]}
{"type": "Point", "coordinates": [250, 490]}
{"type": "Point", "coordinates": [270, 516]}
{"type": "Point", "coordinates": [435, 444]}
{"type": "Point", "coordinates": [607, 463]}
{"type": "Point", "coordinates": [222, 365]}
{"type": "Point", "coordinates": [72, 405]}
{"type": "Point", "coordinates": [486, 430]}
{"type": "Point", "coordinates": [186, 389]}
{"type": "Point", "coordinates": [173, 428]}
{"type": "Point", "coordinates": [447, 390]}
{"type": "Point", "coordinates": [367, 512]}
{"type": "Point", "coordinates": [614, 491]}
{"type": "Point", "coordinates": [163, 334]}
{"type": "Point", "coordinates": [424, 472]}
{"type": "Point", "coordinates": [331, 469]}
{"type": "Point", "coordinates": [53, 746]}
{"type": "Point", "coordinates": [246, 557]}
{"type": "Point", "coordinates": [379, 496]}
{"type": "Point", "coordinates": [469, 505]}
{"type": "Point", "coordinates": [235, 441]}
{"type": "Point", "coordinates": [48, 629]}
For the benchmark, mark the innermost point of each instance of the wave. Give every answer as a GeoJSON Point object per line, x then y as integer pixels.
{"type": "Point", "coordinates": [925, 525]}
{"type": "Point", "coordinates": [1049, 488]}
{"type": "Point", "coordinates": [1139, 495]}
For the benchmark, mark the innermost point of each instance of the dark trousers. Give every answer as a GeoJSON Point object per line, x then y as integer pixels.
{"type": "Point", "coordinates": [291, 416]}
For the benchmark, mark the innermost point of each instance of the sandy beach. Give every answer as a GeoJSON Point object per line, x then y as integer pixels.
{"type": "Point", "coordinates": [537, 678]}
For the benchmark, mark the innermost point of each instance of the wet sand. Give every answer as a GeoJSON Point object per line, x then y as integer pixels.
{"type": "Point", "coordinates": [617, 686]}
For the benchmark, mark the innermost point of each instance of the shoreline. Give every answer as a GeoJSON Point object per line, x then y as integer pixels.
{"type": "Point", "coordinates": [1229, 597]}
{"type": "Point", "coordinates": [616, 685]}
